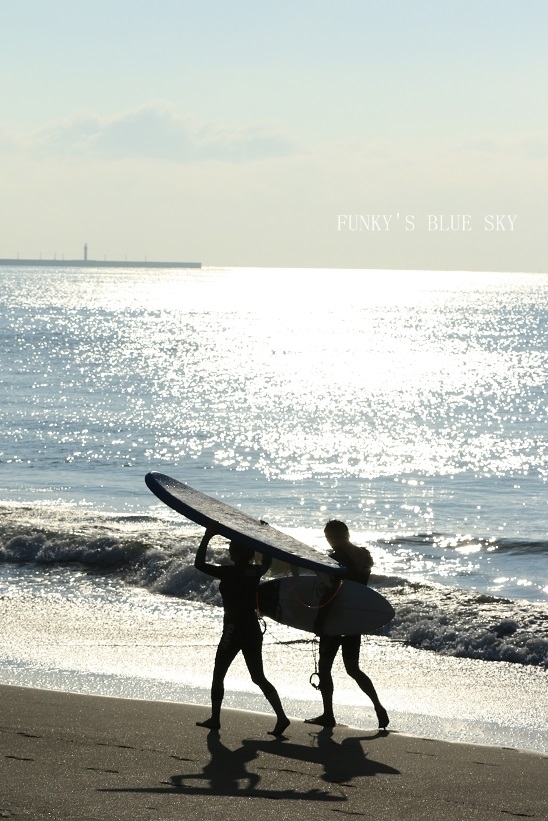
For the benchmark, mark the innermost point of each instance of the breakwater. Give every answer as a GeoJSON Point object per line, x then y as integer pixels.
{"type": "Point", "coordinates": [94, 263]}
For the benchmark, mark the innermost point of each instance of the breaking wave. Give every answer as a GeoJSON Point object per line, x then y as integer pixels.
{"type": "Point", "coordinates": [158, 554]}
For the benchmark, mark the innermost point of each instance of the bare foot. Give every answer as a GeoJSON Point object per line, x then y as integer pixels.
{"type": "Point", "coordinates": [210, 723]}
{"type": "Point", "coordinates": [383, 719]}
{"type": "Point", "coordinates": [281, 725]}
{"type": "Point", "coordinates": [323, 721]}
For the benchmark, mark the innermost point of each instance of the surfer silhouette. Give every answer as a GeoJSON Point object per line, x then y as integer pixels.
{"type": "Point", "coordinates": [359, 562]}
{"type": "Point", "coordinates": [241, 630]}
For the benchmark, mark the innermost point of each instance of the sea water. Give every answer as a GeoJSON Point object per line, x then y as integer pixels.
{"type": "Point", "coordinates": [412, 405]}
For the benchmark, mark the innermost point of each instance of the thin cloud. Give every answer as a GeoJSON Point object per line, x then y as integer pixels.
{"type": "Point", "coordinates": [159, 133]}
{"type": "Point", "coordinates": [8, 141]}
{"type": "Point", "coordinates": [531, 146]}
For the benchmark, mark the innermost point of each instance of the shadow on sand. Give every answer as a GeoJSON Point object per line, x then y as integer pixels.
{"type": "Point", "coordinates": [228, 774]}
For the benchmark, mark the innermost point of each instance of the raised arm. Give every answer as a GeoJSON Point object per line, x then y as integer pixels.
{"type": "Point", "coordinates": [200, 562]}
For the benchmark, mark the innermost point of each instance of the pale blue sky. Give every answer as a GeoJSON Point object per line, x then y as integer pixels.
{"type": "Point", "coordinates": [235, 133]}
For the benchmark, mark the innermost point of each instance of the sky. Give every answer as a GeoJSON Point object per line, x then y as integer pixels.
{"type": "Point", "coordinates": [351, 134]}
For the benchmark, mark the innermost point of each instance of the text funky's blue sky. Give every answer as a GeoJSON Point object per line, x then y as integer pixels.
{"type": "Point", "coordinates": [236, 133]}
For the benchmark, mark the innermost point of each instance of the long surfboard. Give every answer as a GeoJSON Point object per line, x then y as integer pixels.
{"type": "Point", "coordinates": [305, 602]}
{"type": "Point", "coordinates": [232, 523]}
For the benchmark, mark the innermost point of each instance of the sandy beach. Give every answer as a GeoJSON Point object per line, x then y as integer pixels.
{"type": "Point", "coordinates": [67, 756]}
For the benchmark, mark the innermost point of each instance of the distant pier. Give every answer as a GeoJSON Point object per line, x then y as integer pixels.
{"type": "Point", "coordinates": [95, 263]}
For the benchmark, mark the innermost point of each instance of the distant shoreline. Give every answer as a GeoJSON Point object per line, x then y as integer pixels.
{"type": "Point", "coordinates": [94, 263]}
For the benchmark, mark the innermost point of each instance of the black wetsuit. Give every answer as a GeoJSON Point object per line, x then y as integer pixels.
{"type": "Point", "coordinates": [241, 629]}
{"type": "Point", "coordinates": [359, 562]}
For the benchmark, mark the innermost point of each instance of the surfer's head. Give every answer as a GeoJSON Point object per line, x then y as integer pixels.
{"type": "Point", "coordinates": [336, 532]}
{"type": "Point", "coordinates": [239, 553]}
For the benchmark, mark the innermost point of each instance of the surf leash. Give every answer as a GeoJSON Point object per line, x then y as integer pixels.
{"type": "Point", "coordinates": [315, 674]}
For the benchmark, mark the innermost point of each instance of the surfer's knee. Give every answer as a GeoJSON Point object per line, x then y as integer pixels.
{"type": "Point", "coordinates": [267, 689]}
{"type": "Point", "coordinates": [259, 678]}
{"type": "Point", "coordinates": [352, 667]}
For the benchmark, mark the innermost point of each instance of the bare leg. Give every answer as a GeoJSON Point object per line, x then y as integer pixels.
{"type": "Point", "coordinates": [329, 646]}
{"type": "Point", "coordinates": [351, 658]}
{"type": "Point", "coordinates": [226, 653]}
{"type": "Point", "coordinates": [283, 722]}
{"type": "Point", "coordinates": [213, 723]}
{"type": "Point", "coordinates": [254, 660]}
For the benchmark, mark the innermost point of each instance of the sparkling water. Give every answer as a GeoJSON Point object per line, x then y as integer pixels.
{"type": "Point", "coordinates": [410, 404]}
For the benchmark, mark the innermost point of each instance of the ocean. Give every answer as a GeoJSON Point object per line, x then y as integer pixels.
{"type": "Point", "coordinates": [412, 405]}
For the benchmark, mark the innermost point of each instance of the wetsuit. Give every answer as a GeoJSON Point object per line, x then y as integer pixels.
{"type": "Point", "coordinates": [358, 562]}
{"type": "Point", "coordinates": [241, 629]}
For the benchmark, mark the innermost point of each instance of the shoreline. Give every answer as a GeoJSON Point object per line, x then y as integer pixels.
{"type": "Point", "coordinates": [123, 642]}
{"type": "Point", "coordinates": [69, 756]}
{"type": "Point", "coordinates": [352, 710]}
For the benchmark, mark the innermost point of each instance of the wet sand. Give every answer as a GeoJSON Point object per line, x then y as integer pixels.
{"type": "Point", "coordinates": [67, 756]}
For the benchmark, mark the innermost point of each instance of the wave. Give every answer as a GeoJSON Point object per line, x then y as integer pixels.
{"type": "Point", "coordinates": [151, 552]}
{"type": "Point", "coordinates": [158, 555]}
{"type": "Point", "coordinates": [453, 622]}
{"type": "Point", "coordinates": [45, 540]}
{"type": "Point", "coordinates": [517, 547]}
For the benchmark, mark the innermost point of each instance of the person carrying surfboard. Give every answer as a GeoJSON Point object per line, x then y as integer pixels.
{"type": "Point", "coordinates": [358, 561]}
{"type": "Point", "coordinates": [241, 630]}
